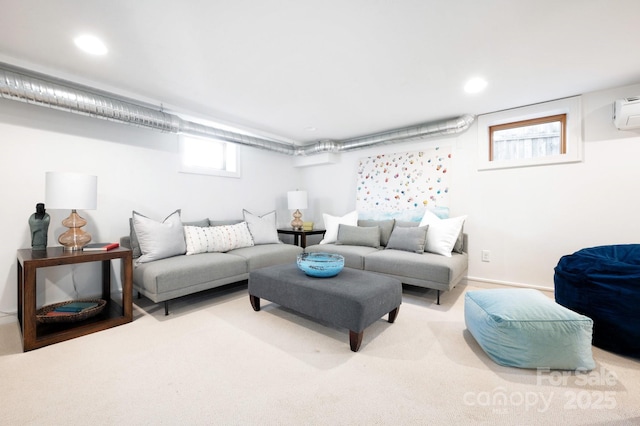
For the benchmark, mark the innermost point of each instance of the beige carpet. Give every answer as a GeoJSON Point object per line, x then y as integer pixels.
{"type": "Point", "coordinates": [216, 361]}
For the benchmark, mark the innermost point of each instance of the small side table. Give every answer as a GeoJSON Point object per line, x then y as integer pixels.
{"type": "Point", "coordinates": [36, 335]}
{"type": "Point", "coordinates": [300, 237]}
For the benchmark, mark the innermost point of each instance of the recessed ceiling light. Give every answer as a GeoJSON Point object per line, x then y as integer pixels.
{"type": "Point", "coordinates": [475, 85]}
{"type": "Point", "coordinates": [310, 129]}
{"type": "Point", "coordinates": [90, 44]}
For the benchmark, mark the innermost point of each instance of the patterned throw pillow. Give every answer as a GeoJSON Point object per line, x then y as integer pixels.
{"type": "Point", "coordinates": [217, 239]}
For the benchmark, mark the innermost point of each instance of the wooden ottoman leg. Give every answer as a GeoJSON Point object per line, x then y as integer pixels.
{"type": "Point", "coordinates": [255, 302]}
{"type": "Point", "coordinates": [393, 314]}
{"type": "Point", "coordinates": [355, 339]}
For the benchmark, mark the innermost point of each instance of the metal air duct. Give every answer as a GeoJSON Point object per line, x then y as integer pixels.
{"type": "Point", "coordinates": [445, 127]}
{"type": "Point", "coordinates": [38, 89]}
{"type": "Point", "coordinates": [26, 86]}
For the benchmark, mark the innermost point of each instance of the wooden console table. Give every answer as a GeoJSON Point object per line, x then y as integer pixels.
{"type": "Point", "coordinates": [36, 335]}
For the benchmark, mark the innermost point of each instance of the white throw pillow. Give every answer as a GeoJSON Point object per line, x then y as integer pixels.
{"type": "Point", "coordinates": [217, 239]}
{"type": "Point", "coordinates": [442, 234]}
{"type": "Point", "coordinates": [159, 240]}
{"type": "Point", "coordinates": [332, 223]}
{"type": "Point", "coordinates": [263, 228]}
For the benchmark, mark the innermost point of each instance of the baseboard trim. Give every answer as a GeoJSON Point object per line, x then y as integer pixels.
{"type": "Point", "coordinates": [8, 318]}
{"type": "Point", "coordinates": [509, 283]}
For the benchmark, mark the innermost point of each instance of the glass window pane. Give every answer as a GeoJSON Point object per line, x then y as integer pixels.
{"type": "Point", "coordinates": [208, 156]}
{"type": "Point", "coordinates": [203, 153]}
{"type": "Point", "coordinates": [529, 139]}
{"type": "Point", "coordinates": [231, 158]}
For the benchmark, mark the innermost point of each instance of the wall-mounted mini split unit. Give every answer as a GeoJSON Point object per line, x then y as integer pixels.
{"type": "Point", "coordinates": [626, 113]}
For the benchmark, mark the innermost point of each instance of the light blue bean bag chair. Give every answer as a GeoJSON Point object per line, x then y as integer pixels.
{"type": "Point", "coordinates": [524, 328]}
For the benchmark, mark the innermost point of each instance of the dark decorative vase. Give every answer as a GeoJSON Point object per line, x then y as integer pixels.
{"type": "Point", "coordinates": [39, 225]}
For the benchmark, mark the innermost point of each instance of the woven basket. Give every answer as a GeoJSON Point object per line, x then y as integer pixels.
{"type": "Point", "coordinates": [41, 314]}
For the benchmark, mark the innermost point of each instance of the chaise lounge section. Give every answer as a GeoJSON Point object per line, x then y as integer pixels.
{"type": "Point", "coordinates": [370, 246]}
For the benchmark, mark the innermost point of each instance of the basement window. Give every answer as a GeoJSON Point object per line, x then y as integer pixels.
{"type": "Point", "coordinates": [208, 157]}
{"type": "Point", "coordinates": [536, 137]}
{"type": "Point", "coordinates": [547, 133]}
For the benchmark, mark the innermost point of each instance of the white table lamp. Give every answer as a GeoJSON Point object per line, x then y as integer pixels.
{"type": "Point", "coordinates": [297, 200]}
{"type": "Point", "coordinates": [75, 191]}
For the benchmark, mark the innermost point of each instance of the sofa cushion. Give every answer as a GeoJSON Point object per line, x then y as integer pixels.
{"type": "Point", "coordinates": [408, 239]}
{"type": "Point", "coordinates": [331, 224]}
{"type": "Point", "coordinates": [263, 228]}
{"type": "Point", "coordinates": [416, 268]}
{"type": "Point", "coordinates": [159, 240]}
{"type": "Point", "coordinates": [181, 275]}
{"type": "Point", "coordinates": [353, 255]}
{"type": "Point", "coordinates": [359, 235]}
{"type": "Point", "coordinates": [267, 254]}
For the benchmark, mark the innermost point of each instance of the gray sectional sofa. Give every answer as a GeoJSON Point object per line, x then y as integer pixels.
{"type": "Point", "coordinates": [179, 275]}
{"type": "Point", "coordinates": [174, 259]}
{"type": "Point", "coordinates": [369, 247]}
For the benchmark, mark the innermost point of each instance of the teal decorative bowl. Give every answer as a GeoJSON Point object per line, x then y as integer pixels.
{"type": "Point", "coordinates": [321, 265]}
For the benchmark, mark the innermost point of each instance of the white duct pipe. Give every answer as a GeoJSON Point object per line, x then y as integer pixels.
{"type": "Point", "coordinates": [30, 87]}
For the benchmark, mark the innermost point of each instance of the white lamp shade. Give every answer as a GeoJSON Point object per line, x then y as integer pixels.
{"type": "Point", "coordinates": [297, 200]}
{"type": "Point", "coordinates": [70, 191]}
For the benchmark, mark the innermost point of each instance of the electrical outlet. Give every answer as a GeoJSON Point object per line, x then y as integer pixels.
{"type": "Point", "coordinates": [486, 256]}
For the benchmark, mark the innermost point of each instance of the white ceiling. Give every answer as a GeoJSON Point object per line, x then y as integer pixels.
{"type": "Point", "coordinates": [344, 67]}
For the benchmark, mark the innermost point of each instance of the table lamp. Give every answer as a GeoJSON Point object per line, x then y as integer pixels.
{"type": "Point", "coordinates": [297, 200]}
{"type": "Point", "coordinates": [75, 191]}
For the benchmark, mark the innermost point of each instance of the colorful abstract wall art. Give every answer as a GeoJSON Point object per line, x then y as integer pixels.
{"type": "Point", "coordinates": [404, 185]}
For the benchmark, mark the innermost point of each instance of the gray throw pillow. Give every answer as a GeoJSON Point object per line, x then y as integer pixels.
{"type": "Point", "coordinates": [133, 238]}
{"type": "Point", "coordinates": [135, 245]}
{"type": "Point", "coordinates": [202, 223]}
{"type": "Point", "coordinates": [263, 228]}
{"type": "Point", "coordinates": [358, 235]}
{"type": "Point", "coordinates": [406, 224]}
{"type": "Point", "coordinates": [459, 245]}
{"type": "Point", "coordinates": [224, 222]}
{"type": "Point", "coordinates": [408, 238]}
{"type": "Point", "coordinates": [159, 240]}
{"type": "Point", "coordinates": [386, 227]}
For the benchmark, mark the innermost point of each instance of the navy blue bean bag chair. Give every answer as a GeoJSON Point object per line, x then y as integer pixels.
{"type": "Point", "coordinates": [603, 283]}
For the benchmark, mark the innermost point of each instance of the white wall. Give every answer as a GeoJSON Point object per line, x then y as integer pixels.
{"type": "Point", "coordinates": [528, 217]}
{"type": "Point", "coordinates": [136, 169]}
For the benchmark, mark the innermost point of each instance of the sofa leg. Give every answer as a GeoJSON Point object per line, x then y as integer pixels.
{"type": "Point", "coordinates": [438, 297]}
{"type": "Point", "coordinates": [139, 295]}
{"type": "Point", "coordinates": [166, 307]}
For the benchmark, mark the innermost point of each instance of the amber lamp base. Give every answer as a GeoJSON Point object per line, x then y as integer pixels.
{"type": "Point", "coordinates": [74, 238]}
{"type": "Point", "coordinates": [296, 223]}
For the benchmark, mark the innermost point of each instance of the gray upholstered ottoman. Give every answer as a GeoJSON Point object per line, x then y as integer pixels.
{"type": "Point", "coordinates": [353, 299]}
